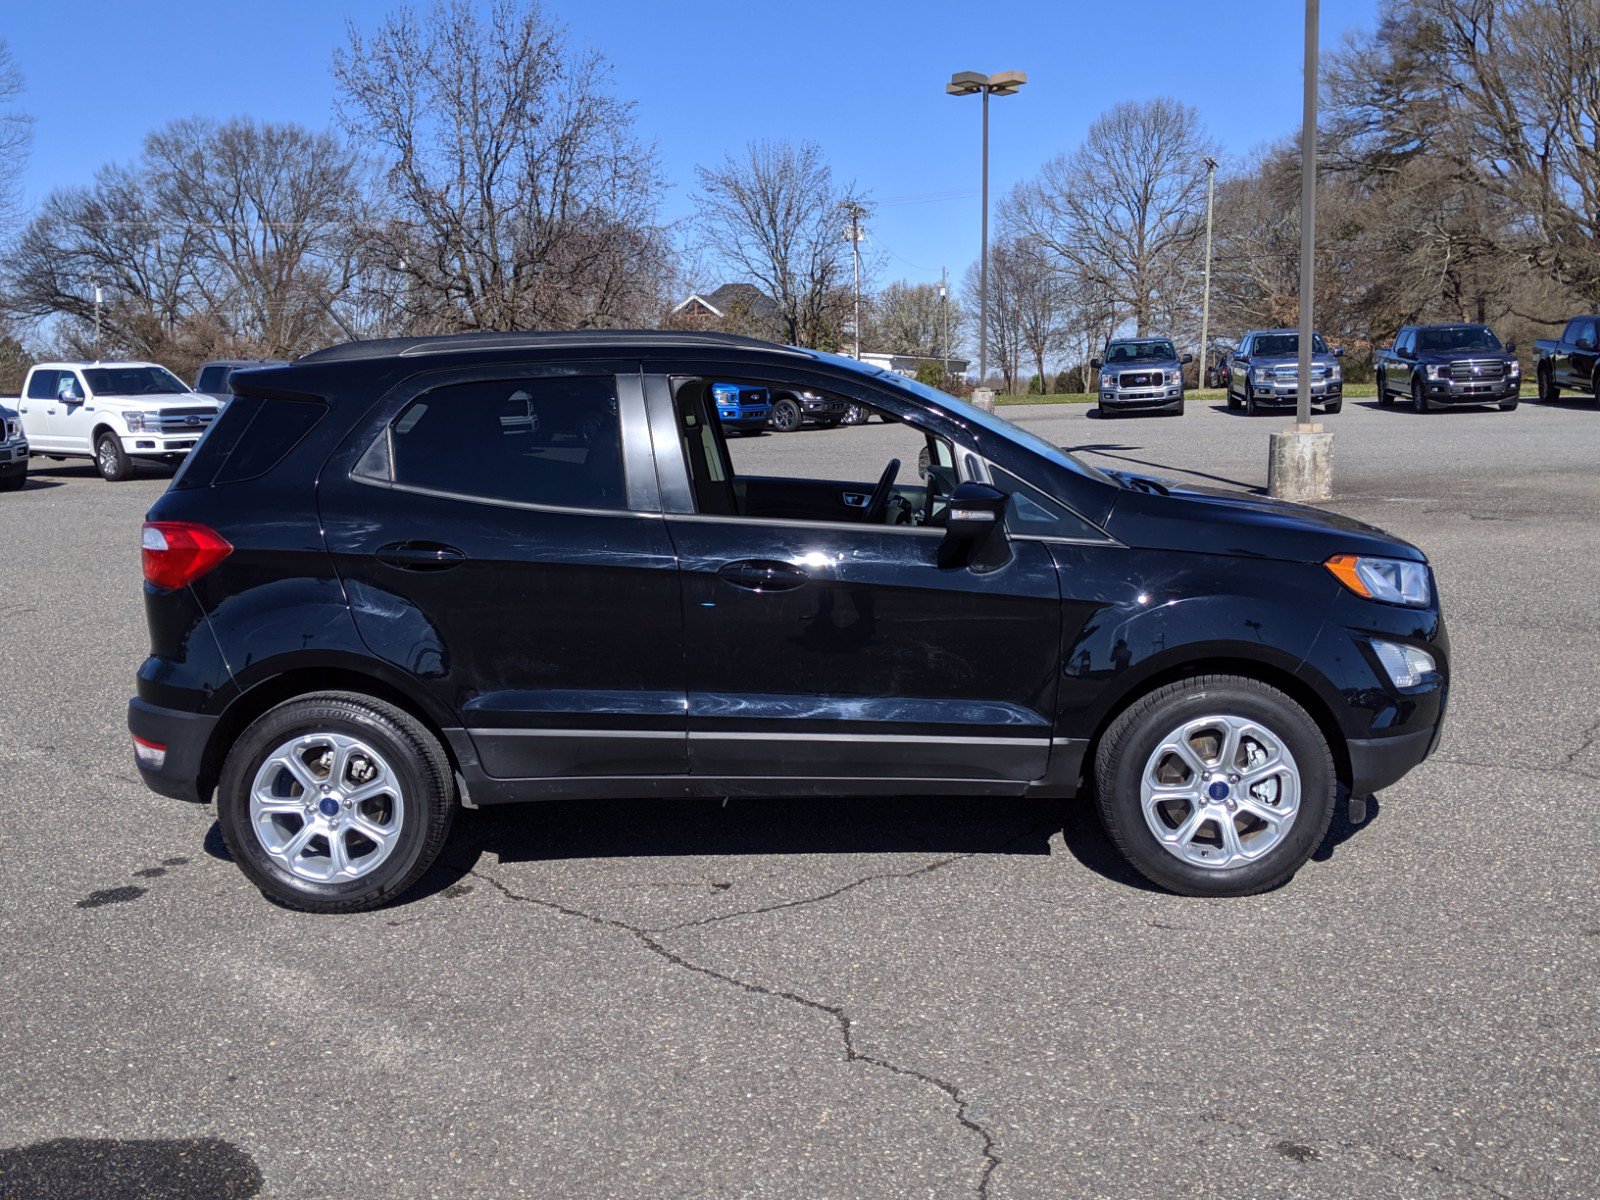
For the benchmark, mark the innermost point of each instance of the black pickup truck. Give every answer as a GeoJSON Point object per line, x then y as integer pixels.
{"type": "Point", "coordinates": [1571, 361]}
{"type": "Point", "coordinates": [1438, 366]}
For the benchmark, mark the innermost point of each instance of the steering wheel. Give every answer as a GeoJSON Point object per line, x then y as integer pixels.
{"type": "Point", "coordinates": [878, 503]}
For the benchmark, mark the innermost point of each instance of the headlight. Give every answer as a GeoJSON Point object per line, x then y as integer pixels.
{"type": "Point", "coordinates": [1514, 368]}
{"type": "Point", "coordinates": [141, 422]}
{"type": "Point", "coordinates": [1262, 374]}
{"type": "Point", "coordinates": [1335, 373]}
{"type": "Point", "coordinates": [1175, 376]}
{"type": "Point", "coordinates": [1108, 379]}
{"type": "Point", "coordinates": [1391, 580]}
{"type": "Point", "coordinates": [1406, 665]}
{"type": "Point", "coordinates": [1438, 371]}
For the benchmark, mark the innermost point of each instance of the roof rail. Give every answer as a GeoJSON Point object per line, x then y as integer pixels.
{"type": "Point", "coordinates": [459, 343]}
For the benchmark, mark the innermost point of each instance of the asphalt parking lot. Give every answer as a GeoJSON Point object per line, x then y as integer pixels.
{"type": "Point", "coordinates": [885, 998]}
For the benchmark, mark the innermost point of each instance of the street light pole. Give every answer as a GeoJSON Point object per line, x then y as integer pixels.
{"type": "Point", "coordinates": [1205, 303]}
{"type": "Point", "coordinates": [969, 83]}
{"type": "Point", "coordinates": [855, 249]}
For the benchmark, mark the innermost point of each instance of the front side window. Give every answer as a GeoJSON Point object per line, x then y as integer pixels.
{"type": "Point", "coordinates": [555, 441]}
{"type": "Point", "coordinates": [69, 388]}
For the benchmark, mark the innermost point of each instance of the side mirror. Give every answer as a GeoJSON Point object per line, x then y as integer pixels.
{"type": "Point", "coordinates": [1511, 346]}
{"type": "Point", "coordinates": [1094, 364]}
{"type": "Point", "coordinates": [1338, 351]}
{"type": "Point", "coordinates": [1187, 359]}
{"type": "Point", "coordinates": [975, 529]}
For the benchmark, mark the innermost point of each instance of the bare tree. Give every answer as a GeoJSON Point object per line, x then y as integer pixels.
{"type": "Point", "coordinates": [911, 318]}
{"type": "Point", "coordinates": [522, 197]}
{"type": "Point", "coordinates": [1125, 208]}
{"type": "Point", "coordinates": [16, 134]}
{"type": "Point", "coordinates": [1006, 272]}
{"type": "Point", "coordinates": [773, 217]}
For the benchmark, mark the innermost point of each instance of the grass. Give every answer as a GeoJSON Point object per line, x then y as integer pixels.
{"type": "Point", "coordinates": [1352, 391]}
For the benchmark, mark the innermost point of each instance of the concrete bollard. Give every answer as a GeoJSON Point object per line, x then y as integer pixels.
{"type": "Point", "coordinates": [983, 398]}
{"type": "Point", "coordinates": [1300, 464]}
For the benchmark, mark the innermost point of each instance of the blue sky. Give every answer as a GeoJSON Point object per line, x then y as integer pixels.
{"type": "Point", "coordinates": [863, 79]}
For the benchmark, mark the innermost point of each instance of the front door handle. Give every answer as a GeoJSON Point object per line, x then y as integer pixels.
{"type": "Point", "coordinates": [763, 575]}
{"type": "Point", "coordinates": [855, 499]}
{"type": "Point", "coordinates": [421, 556]}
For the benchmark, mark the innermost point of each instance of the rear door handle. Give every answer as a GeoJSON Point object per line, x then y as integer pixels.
{"type": "Point", "coordinates": [763, 575]}
{"type": "Point", "coordinates": [421, 556]}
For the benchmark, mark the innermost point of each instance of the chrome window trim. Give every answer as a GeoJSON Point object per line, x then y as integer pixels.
{"type": "Point", "coordinates": [526, 505]}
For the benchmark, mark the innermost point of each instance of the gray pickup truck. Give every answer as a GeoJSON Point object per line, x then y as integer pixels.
{"type": "Point", "coordinates": [1140, 375]}
{"type": "Point", "coordinates": [13, 448]}
{"type": "Point", "coordinates": [1265, 372]}
{"type": "Point", "coordinates": [1570, 362]}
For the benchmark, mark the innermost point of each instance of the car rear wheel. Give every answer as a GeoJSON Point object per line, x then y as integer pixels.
{"type": "Point", "coordinates": [1419, 398]}
{"type": "Point", "coordinates": [786, 416]}
{"type": "Point", "coordinates": [110, 459]}
{"type": "Point", "coordinates": [1549, 393]}
{"type": "Point", "coordinates": [1384, 398]}
{"type": "Point", "coordinates": [335, 802]}
{"type": "Point", "coordinates": [1215, 786]}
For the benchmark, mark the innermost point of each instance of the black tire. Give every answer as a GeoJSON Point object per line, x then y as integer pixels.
{"type": "Point", "coordinates": [1333, 406]}
{"type": "Point", "coordinates": [418, 762]}
{"type": "Point", "coordinates": [1419, 397]}
{"type": "Point", "coordinates": [1176, 412]}
{"type": "Point", "coordinates": [1249, 400]}
{"type": "Point", "coordinates": [1104, 413]}
{"type": "Point", "coordinates": [1233, 401]}
{"type": "Point", "coordinates": [110, 459]}
{"type": "Point", "coordinates": [14, 481]}
{"type": "Point", "coordinates": [1549, 393]}
{"type": "Point", "coordinates": [1131, 739]}
{"type": "Point", "coordinates": [786, 416]}
{"type": "Point", "coordinates": [1384, 398]}
{"type": "Point", "coordinates": [1511, 404]}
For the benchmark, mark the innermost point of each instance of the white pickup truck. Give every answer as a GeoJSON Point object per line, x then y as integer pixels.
{"type": "Point", "coordinates": [112, 412]}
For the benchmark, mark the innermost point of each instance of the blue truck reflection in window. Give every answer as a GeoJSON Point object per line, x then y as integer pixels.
{"type": "Point", "coordinates": [741, 407]}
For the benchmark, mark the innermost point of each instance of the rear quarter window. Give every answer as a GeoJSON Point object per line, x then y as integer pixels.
{"type": "Point", "coordinates": [251, 437]}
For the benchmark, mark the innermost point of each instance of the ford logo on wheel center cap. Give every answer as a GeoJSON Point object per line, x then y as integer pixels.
{"type": "Point", "coordinates": [328, 806]}
{"type": "Point", "coordinates": [1217, 791]}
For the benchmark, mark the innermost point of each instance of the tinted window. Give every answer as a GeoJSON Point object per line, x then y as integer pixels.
{"type": "Point", "coordinates": [133, 381]}
{"type": "Point", "coordinates": [1462, 337]}
{"type": "Point", "coordinates": [277, 429]}
{"type": "Point", "coordinates": [1159, 350]}
{"type": "Point", "coordinates": [537, 441]}
{"type": "Point", "coordinates": [1273, 344]}
{"type": "Point", "coordinates": [213, 379]}
{"type": "Point", "coordinates": [42, 385]}
{"type": "Point", "coordinates": [1028, 510]}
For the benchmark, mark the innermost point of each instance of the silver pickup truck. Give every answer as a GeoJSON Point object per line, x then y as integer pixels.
{"type": "Point", "coordinates": [1140, 375]}
{"type": "Point", "coordinates": [13, 448]}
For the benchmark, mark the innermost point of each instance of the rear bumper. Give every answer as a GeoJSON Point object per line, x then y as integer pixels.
{"type": "Point", "coordinates": [184, 735]}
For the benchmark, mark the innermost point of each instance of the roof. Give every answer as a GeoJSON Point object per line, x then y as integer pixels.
{"type": "Point", "coordinates": [59, 364]}
{"type": "Point", "coordinates": [615, 340]}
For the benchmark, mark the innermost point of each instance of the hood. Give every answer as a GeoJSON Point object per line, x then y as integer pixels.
{"type": "Point", "coordinates": [1142, 364]}
{"type": "Point", "coordinates": [1449, 356]}
{"type": "Point", "coordinates": [1292, 360]}
{"type": "Point", "coordinates": [162, 400]}
{"type": "Point", "coordinates": [1181, 517]}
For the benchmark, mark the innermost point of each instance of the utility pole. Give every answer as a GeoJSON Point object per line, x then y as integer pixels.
{"type": "Point", "coordinates": [856, 233]}
{"type": "Point", "coordinates": [97, 298]}
{"type": "Point", "coordinates": [944, 313]}
{"type": "Point", "coordinates": [1205, 304]}
{"type": "Point", "coordinates": [1300, 458]}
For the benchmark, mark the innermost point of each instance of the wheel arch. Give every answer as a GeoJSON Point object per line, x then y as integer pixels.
{"type": "Point", "coordinates": [286, 685]}
{"type": "Point", "coordinates": [1272, 674]}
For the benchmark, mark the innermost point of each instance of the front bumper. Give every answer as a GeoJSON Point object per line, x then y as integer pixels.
{"type": "Point", "coordinates": [13, 454]}
{"type": "Point", "coordinates": [150, 445]}
{"type": "Point", "coordinates": [1275, 394]}
{"type": "Point", "coordinates": [824, 409]}
{"type": "Point", "coordinates": [1163, 397]}
{"type": "Point", "coordinates": [1452, 391]}
{"type": "Point", "coordinates": [184, 735]}
{"type": "Point", "coordinates": [744, 419]}
{"type": "Point", "coordinates": [1375, 763]}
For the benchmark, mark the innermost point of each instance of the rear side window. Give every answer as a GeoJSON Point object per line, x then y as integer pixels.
{"type": "Point", "coordinates": [42, 385]}
{"type": "Point", "coordinates": [554, 441]}
{"type": "Point", "coordinates": [253, 435]}
{"type": "Point", "coordinates": [213, 379]}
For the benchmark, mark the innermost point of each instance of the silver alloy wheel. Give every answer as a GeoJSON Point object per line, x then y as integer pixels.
{"type": "Point", "coordinates": [326, 807]}
{"type": "Point", "coordinates": [108, 457]}
{"type": "Point", "coordinates": [1220, 791]}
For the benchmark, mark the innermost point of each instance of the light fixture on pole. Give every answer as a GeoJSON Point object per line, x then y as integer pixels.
{"type": "Point", "coordinates": [975, 83]}
{"type": "Point", "coordinates": [1205, 303]}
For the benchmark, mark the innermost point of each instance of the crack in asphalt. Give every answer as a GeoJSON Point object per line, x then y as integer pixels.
{"type": "Point", "coordinates": [646, 938]}
{"type": "Point", "coordinates": [1579, 772]}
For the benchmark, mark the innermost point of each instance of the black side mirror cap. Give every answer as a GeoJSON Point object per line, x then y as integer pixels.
{"type": "Point", "coordinates": [975, 529]}
{"type": "Point", "coordinates": [1094, 364]}
{"type": "Point", "coordinates": [1187, 359]}
{"type": "Point", "coordinates": [1511, 346]}
{"type": "Point", "coordinates": [1338, 351]}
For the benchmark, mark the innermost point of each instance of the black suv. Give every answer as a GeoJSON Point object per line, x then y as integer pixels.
{"type": "Point", "coordinates": [399, 576]}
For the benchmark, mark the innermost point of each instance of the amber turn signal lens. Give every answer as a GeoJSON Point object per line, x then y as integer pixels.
{"type": "Point", "coordinates": [1343, 567]}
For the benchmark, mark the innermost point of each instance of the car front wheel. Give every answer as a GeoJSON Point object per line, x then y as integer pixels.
{"type": "Point", "coordinates": [786, 416]}
{"type": "Point", "coordinates": [111, 460]}
{"type": "Point", "coordinates": [1419, 398]}
{"type": "Point", "coordinates": [1219, 785]}
{"type": "Point", "coordinates": [335, 802]}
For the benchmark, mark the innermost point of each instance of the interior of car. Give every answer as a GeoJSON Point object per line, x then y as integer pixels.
{"type": "Point", "coordinates": [905, 493]}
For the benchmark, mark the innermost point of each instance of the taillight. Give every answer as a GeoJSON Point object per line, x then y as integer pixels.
{"type": "Point", "coordinates": [176, 553]}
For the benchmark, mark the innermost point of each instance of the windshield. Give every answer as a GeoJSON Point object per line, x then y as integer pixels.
{"type": "Point", "coordinates": [132, 381]}
{"type": "Point", "coordinates": [990, 421]}
{"type": "Point", "coordinates": [1270, 345]}
{"type": "Point", "coordinates": [1151, 351]}
{"type": "Point", "coordinates": [1462, 337]}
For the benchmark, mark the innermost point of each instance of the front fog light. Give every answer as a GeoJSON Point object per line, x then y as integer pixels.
{"type": "Point", "coordinates": [1406, 664]}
